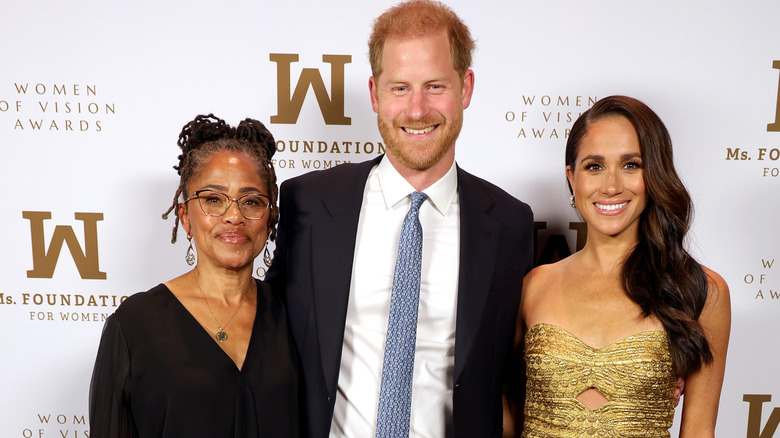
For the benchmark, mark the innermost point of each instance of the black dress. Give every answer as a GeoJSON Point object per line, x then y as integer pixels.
{"type": "Point", "coordinates": [158, 373]}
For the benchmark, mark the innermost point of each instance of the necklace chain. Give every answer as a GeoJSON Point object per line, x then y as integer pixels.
{"type": "Point", "coordinates": [221, 335]}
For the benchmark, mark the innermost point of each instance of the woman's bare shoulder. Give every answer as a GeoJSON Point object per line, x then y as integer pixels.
{"type": "Point", "coordinates": [717, 288]}
{"type": "Point", "coordinates": [542, 283]}
{"type": "Point", "coordinates": [544, 274]}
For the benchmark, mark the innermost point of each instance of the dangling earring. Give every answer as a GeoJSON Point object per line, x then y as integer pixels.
{"type": "Point", "coordinates": [571, 202]}
{"type": "Point", "coordinates": [190, 257]}
{"type": "Point", "coordinates": [267, 256]}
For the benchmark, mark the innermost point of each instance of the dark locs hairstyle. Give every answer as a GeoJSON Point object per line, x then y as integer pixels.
{"type": "Point", "coordinates": [659, 274]}
{"type": "Point", "coordinates": [207, 135]}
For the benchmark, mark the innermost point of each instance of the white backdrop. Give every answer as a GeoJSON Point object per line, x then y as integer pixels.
{"type": "Point", "coordinates": [94, 94]}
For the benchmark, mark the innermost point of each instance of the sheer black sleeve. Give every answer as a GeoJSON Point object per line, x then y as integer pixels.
{"type": "Point", "coordinates": [109, 408]}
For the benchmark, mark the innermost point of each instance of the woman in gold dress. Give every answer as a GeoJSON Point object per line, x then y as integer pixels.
{"type": "Point", "coordinates": [608, 330]}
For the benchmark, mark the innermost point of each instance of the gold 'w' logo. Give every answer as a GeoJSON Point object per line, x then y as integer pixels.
{"type": "Point", "coordinates": [775, 127]}
{"type": "Point", "coordinates": [45, 261]}
{"type": "Point", "coordinates": [756, 402]}
{"type": "Point", "coordinates": [289, 104]}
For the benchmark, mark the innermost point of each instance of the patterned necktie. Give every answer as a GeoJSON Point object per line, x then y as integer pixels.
{"type": "Point", "coordinates": [395, 397]}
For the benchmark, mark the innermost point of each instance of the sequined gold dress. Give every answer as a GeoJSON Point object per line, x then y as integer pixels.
{"type": "Point", "coordinates": [635, 375]}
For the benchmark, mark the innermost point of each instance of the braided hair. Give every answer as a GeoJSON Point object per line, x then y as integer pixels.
{"type": "Point", "coordinates": [205, 136]}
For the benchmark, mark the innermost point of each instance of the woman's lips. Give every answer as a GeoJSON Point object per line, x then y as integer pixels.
{"type": "Point", "coordinates": [610, 208]}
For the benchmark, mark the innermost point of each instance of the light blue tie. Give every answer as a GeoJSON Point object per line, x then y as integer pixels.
{"type": "Point", "coordinates": [395, 397]}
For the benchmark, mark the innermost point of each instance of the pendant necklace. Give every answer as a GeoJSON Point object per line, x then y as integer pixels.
{"type": "Point", "coordinates": [221, 336]}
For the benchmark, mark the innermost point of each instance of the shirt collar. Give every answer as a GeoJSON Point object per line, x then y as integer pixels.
{"type": "Point", "coordinates": [395, 188]}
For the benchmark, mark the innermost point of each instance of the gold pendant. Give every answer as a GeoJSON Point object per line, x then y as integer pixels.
{"type": "Point", "coordinates": [221, 335]}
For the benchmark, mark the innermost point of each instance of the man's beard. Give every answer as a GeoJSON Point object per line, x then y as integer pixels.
{"type": "Point", "coordinates": [420, 155]}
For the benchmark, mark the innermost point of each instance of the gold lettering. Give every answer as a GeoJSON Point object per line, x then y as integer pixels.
{"type": "Point", "coordinates": [45, 261]}
{"type": "Point", "coordinates": [756, 402]}
{"type": "Point", "coordinates": [775, 127]}
{"type": "Point", "coordinates": [289, 104]}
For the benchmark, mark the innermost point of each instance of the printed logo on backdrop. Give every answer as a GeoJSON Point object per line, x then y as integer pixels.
{"type": "Point", "coordinates": [320, 152]}
{"type": "Point", "coordinates": [764, 285]}
{"type": "Point", "coordinates": [766, 157]}
{"type": "Point", "coordinates": [544, 117]}
{"type": "Point", "coordinates": [289, 105]}
{"type": "Point", "coordinates": [754, 426]}
{"type": "Point", "coordinates": [552, 246]}
{"type": "Point", "coordinates": [54, 107]}
{"type": "Point", "coordinates": [71, 306]}
{"type": "Point", "coordinates": [44, 261]}
{"type": "Point", "coordinates": [775, 126]}
{"type": "Point", "coordinates": [57, 425]}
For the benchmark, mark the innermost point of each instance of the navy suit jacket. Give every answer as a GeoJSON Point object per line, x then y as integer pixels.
{"type": "Point", "coordinates": [312, 268]}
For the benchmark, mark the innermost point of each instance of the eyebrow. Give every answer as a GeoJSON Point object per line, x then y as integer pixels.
{"type": "Point", "coordinates": [225, 189]}
{"type": "Point", "coordinates": [601, 157]}
{"type": "Point", "coordinates": [397, 81]}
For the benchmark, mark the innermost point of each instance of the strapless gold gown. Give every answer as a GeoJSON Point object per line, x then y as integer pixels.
{"type": "Point", "coordinates": [634, 374]}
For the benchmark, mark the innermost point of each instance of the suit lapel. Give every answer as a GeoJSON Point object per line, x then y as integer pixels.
{"type": "Point", "coordinates": [333, 248]}
{"type": "Point", "coordinates": [479, 234]}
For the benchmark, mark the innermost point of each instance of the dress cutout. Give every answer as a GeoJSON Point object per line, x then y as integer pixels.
{"type": "Point", "coordinates": [635, 375]}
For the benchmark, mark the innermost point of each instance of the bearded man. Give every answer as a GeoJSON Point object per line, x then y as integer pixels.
{"type": "Point", "coordinates": [402, 275]}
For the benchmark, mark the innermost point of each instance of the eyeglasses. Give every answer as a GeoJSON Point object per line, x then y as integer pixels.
{"type": "Point", "coordinates": [214, 203]}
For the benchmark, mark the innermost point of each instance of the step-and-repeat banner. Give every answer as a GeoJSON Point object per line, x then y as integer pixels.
{"type": "Point", "coordinates": [93, 96]}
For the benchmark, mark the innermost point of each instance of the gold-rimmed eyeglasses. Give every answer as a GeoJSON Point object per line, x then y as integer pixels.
{"type": "Point", "coordinates": [216, 203]}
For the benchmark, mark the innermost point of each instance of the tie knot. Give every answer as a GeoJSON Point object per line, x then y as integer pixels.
{"type": "Point", "coordinates": [417, 199]}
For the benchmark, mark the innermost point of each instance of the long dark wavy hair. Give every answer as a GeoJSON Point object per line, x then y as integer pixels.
{"type": "Point", "coordinates": [207, 135]}
{"type": "Point", "coordinates": [658, 274]}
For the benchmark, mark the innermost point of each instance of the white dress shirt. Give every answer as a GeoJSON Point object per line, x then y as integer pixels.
{"type": "Point", "coordinates": [385, 204]}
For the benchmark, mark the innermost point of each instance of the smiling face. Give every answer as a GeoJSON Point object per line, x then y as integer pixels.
{"type": "Point", "coordinates": [229, 241]}
{"type": "Point", "coordinates": [607, 178]}
{"type": "Point", "coordinates": [419, 99]}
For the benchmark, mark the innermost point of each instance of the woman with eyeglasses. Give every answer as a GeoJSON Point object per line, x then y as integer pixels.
{"type": "Point", "coordinates": [206, 354]}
